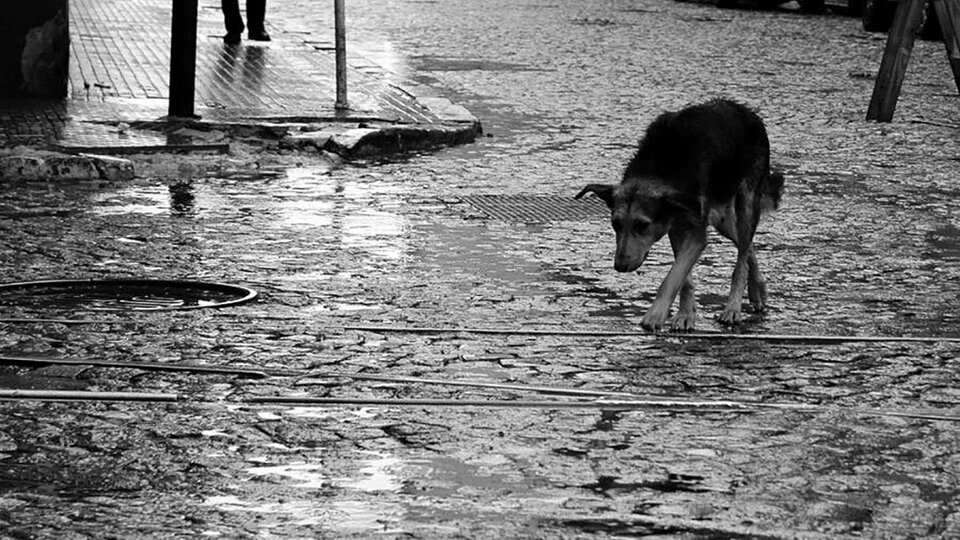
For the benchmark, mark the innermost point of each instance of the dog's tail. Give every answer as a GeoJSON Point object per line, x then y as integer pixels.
{"type": "Point", "coordinates": [771, 191]}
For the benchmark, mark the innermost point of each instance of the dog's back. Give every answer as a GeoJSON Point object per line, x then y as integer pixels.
{"type": "Point", "coordinates": [708, 149]}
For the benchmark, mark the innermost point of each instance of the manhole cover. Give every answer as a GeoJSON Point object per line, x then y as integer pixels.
{"type": "Point", "coordinates": [538, 208]}
{"type": "Point", "coordinates": [121, 295]}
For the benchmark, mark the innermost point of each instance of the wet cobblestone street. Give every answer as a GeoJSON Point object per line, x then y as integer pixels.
{"type": "Point", "coordinates": [761, 439]}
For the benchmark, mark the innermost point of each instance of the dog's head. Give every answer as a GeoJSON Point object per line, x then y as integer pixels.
{"type": "Point", "coordinates": [641, 212]}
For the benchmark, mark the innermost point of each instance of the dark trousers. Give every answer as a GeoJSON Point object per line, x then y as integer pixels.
{"type": "Point", "coordinates": [256, 12]}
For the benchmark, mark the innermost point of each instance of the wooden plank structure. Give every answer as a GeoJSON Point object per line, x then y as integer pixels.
{"type": "Point", "coordinates": [896, 55]}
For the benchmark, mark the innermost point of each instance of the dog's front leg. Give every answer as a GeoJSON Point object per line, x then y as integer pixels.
{"type": "Point", "coordinates": [687, 253]}
{"type": "Point", "coordinates": [686, 316]}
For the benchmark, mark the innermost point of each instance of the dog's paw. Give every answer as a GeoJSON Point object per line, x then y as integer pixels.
{"type": "Point", "coordinates": [757, 292]}
{"type": "Point", "coordinates": [684, 321]}
{"type": "Point", "coordinates": [730, 316]}
{"type": "Point", "coordinates": [654, 320]}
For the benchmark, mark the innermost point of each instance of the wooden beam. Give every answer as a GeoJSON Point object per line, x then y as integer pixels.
{"type": "Point", "coordinates": [896, 56]}
{"type": "Point", "coordinates": [948, 15]}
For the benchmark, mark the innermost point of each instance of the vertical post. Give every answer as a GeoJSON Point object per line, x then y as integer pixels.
{"type": "Point", "coordinates": [183, 58]}
{"type": "Point", "coordinates": [948, 15]}
{"type": "Point", "coordinates": [896, 56]}
{"type": "Point", "coordinates": [340, 44]}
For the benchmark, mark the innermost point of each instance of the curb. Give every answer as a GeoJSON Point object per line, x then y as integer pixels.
{"type": "Point", "coordinates": [53, 166]}
{"type": "Point", "coordinates": [375, 138]}
{"type": "Point", "coordinates": [457, 126]}
{"type": "Point", "coordinates": [367, 140]}
{"type": "Point", "coordinates": [357, 138]}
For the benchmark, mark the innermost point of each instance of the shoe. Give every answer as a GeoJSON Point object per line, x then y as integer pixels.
{"type": "Point", "coordinates": [262, 35]}
{"type": "Point", "coordinates": [232, 38]}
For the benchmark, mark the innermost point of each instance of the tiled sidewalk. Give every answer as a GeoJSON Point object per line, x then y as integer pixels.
{"type": "Point", "coordinates": [119, 71]}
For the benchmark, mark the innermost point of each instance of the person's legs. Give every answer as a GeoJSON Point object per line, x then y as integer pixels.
{"type": "Point", "coordinates": [232, 20]}
{"type": "Point", "coordinates": [256, 13]}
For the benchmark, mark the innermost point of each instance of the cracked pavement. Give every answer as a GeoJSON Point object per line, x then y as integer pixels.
{"type": "Point", "coordinates": [865, 244]}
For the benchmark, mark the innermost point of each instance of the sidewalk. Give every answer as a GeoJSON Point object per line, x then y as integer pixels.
{"type": "Point", "coordinates": [118, 88]}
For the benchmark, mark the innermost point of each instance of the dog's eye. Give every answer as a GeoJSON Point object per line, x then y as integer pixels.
{"type": "Point", "coordinates": [640, 226]}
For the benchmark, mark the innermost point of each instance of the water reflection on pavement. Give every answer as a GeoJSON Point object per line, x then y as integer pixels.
{"type": "Point", "coordinates": [865, 244]}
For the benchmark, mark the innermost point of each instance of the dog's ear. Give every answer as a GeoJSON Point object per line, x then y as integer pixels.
{"type": "Point", "coordinates": [604, 191]}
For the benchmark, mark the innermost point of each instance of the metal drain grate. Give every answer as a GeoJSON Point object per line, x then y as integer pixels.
{"type": "Point", "coordinates": [121, 295]}
{"type": "Point", "coordinates": [538, 208]}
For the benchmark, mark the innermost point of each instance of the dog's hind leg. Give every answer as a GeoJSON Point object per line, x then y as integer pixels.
{"type": "Point", "coordinates": [747, 218]}
{"type": "Point", "coordinates": [756, 287]}
{"type": "Point", "coordinates": [686, 316]}
{"type": "Point", "coordinates": [726, 223]}
{"type": "Point", "coordinates": [732, 312]}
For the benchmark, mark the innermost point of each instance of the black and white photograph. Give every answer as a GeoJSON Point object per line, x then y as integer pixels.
{"type": "Point", "coordinates": [477, 269]}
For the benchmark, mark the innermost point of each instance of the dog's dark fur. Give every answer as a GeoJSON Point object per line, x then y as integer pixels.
{"type": "Point", "coordinates": [706, 164]}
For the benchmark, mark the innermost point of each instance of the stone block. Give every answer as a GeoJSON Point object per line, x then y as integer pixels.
{"type": "Point", "coordinates": [69, 168]}
{"type": "Point", "coordinates": [112, 168]}
{"type": "Point", "coordinates": [306, 140]}
{"type": "Point", "coordinates": [20, 168]}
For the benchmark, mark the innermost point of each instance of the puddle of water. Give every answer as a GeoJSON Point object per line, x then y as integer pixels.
{"type": "Point", "coordinates": [476, 250]}
{"type": "Point", "coordinates": [376, 232]}
{"type": "Point", "coordinates": [449, 476]}
{"type": "Point", "coordinates": [304, 475]}
{"type": "Point", "coordinates": [317, 413]}
{"type": "Point", "coordinates": [378, 474]}
{"type": "Point", "coordinates": [313, 214]}
{"type": "Point", "coordinates": [316, 181]}
{"type": "Point", "coordinates": [150, 200]}
{"type": "Point", "coordinates": [355, 517]}
{"type": "Point", "coordinates": [944, 243]}
{"type": "Point", "coordinates": [357, 210]}
{"type": "Point", "coordinates": [441, 63]}
{"type": "Point", "coordinates": [304, 512]}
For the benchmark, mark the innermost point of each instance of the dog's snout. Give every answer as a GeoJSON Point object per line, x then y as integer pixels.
{"type": "Point", "coordinates": [625, 263]}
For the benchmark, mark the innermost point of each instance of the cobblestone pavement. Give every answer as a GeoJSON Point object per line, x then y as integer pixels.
{"type": "Point", "coordinates": [119, 73]}
{"type": "Point", "coordinates": [782, 439]}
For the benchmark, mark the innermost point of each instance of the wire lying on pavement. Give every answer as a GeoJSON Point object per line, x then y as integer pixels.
{"type": "Point", "coordinates": [149, 366]}
{"type": "Point", "coordinates": [678, 335]}
{"type": "Point", "coordinates": [86, 395]}
{"type": "Point", "coordinates": [476, 384]}
{"type": "Point", "coordinates": [55, 321]}
{"type": "Point", "coordinates": [606, 404]}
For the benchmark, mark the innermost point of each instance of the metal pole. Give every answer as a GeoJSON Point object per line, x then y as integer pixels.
{"type": "Point", "coordinates": [340, 44]}
{"type": "Point", "coordinates": [183, 58]}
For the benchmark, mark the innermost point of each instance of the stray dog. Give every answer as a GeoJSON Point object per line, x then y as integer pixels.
{"type": "Point", "coordinates": [706, 164]}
